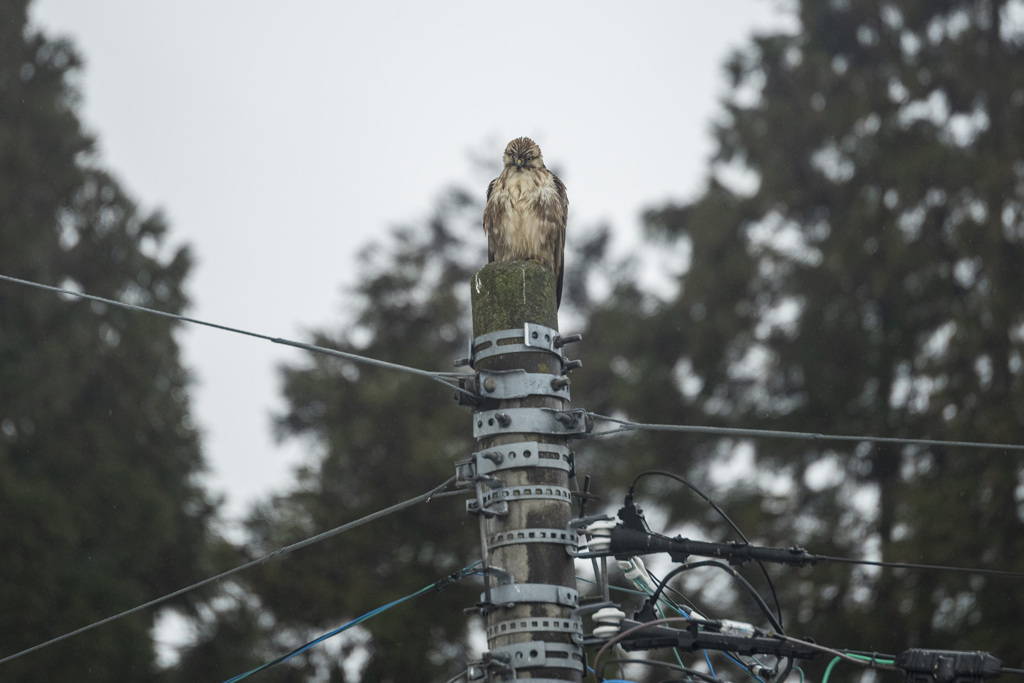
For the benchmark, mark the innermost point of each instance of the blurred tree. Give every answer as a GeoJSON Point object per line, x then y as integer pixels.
{"type": "Point", "coordinates": [380, 437]}
{"type": "Point", "coordinates": [855, 268]}
{"type": "Point", "coordinates": [99, 499]}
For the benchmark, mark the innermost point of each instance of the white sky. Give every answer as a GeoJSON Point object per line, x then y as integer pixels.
{"type": "Point", "coordinates": [280, 137]}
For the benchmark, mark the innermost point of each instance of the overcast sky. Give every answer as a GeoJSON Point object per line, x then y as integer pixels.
{"type": "Point", "coordinates": [279, 138]}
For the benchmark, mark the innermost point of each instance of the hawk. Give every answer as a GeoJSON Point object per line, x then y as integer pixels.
{"type": "Point", "coordinates": [526, 211]}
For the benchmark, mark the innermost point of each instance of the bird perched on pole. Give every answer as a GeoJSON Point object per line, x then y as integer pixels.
{"type": "Point", "coordinates": [526, 211]}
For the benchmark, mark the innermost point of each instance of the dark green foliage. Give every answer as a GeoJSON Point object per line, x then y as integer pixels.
{"type": "Point", "coordinates": [381, 437]}
{"type": "Point", "coordinates": [869, 283]}
{"type": "Point", "coordinates": [98, 457]}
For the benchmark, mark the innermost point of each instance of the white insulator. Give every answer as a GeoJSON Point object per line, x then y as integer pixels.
{"type": "Point", "coordinates": [607, 620]}
{"type": "Point", "coordinates": [635, 571]}
{"type": "Point", "coordinates": [600, 536]}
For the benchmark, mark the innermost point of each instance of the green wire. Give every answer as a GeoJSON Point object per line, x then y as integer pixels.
{"type": "Point", "coordinates": [863, 658]}
{"type": "Point", "coordinates": [828, 669]}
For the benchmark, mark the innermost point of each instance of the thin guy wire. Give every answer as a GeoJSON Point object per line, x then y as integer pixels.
{"type": "Point", "coordinates": [910, 565]}
{"type": "Point", "coordinates": [445, 378]}
{"type": "Point", "coordinates": [433, 493]}
{"type": "Point", "coordinates": [628, 426]}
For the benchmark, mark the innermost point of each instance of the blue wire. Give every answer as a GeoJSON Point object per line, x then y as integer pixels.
{"type": "Point", "coordinates": [707, 659]}
{"type": "Point", "coordinates": [358, 620]}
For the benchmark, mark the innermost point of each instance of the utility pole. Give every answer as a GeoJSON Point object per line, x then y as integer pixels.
{"type": "Point", "coordinates": [521, 470]}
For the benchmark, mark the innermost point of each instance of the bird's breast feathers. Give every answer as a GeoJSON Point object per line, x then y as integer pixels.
{"type": "Point", "coordinates": [524, 214]}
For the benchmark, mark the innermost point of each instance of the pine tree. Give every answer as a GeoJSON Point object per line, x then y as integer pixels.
{"type": "Point", "coordinates": [862, 276]}
{"type": "Point", "coordinates": [380, 437]}
{"type": "Point", "coordinates": [98, 454]}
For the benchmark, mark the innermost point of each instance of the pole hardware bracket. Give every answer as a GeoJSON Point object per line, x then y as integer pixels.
{"type": "Point", "coordinates": [508, 384]}
{"type": "Point", "coordinates": [567, 538]}
{"type": "Point", "coordinates": [539, 654]}
{"type": "Point", "coordinates": [495, 502]}
{"type": "Point", "coordinates": [512, 455]}
{"type": "Point", "coordinates": [530, 338]}
{"type": "Point", "coordinates": [573, 626]}
{"type": "Point", "coordinates": [565, 423]}
{"type": "Point", "coordinates": [511, 594]}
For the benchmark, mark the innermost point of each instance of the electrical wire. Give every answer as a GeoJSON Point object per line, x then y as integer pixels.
{"type": "Point", "coordinates": [436, 492]}
{"type": "Point", "coordinates": [618, 637]}
{"type": "Point", "coordinates": [675, 667]}
{"type": "Point", "coordinates": [721, 512]}
{"type": "Point", "coordinates": [640, 583]}
{"type": "Point", "coordinates": [912, 565]}
{"type": "Point", "coordinates": [736, 575]}
{"type": "Point", "coordinates": [876, 662]}
{"type": "Point", "coordinates": [628, 426]}
{"type": "Point", "coordinates": [437, 585]}
{"type": "Point", "coordinates": [449, 379]}
{"type": "Point", "coordinates": [859, 659]}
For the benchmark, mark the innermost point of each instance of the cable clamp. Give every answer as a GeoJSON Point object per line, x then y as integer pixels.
{"type": "Point", "coordinates": [565, 423]}
{"type": "Point", "coordinates": [573, 626]}
{"type": "Point", "coordinates": [539, 654]}
{"type": "Point", "coordinates": [567, 538]}
{"type": "Point", "coordinates": [530, 338]}
{"type": "Point", "coordinates": [514, 455]}
{"type": "Point", "coordinates": [511, 594]}
{"type": "Point", "coordinates": [495, 502]}
{"type": "Point", "coordinates": [518, 383]}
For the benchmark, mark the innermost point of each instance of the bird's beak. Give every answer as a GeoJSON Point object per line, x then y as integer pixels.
{"type": "Point", "coordinates": [519, 163]}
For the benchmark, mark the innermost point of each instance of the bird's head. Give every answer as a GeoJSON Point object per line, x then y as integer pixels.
{"type": "Point", "coordinates": [523, 153]}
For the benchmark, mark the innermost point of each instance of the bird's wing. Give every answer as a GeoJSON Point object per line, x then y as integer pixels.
{"type": "Point", "coordinates": [493, 215]}
{"type": "Point", "coordinates": [561, 220]}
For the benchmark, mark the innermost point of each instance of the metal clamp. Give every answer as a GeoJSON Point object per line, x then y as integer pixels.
{"type": "Point", "coordinates": [512, 455]}
{"type": "Point", "coordinates": [572, 626]}
{"type": "Point", "coordinates": [507, 384]}
{"type": "Point", "coordinates": [531, 338]}
{"type": "Point", "coordinates": [513, 593]}
{"type": "Point", "coordinates": [531, 421]}
{"type": "Point", "coordinates": [570, 539]}
{"type": "Point", "coordinates": [495, 502]}
{"type": "Point", "coordinates": [539, 654]}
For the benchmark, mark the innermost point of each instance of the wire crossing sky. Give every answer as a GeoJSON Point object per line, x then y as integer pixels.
{"type": "Point", "coordinates": [435, 492]}
{"type": "Point", "coordinates": [449, 379]}
{"type": "Point", "coordinates": [446, 378]}
{"type": "Point", "coordinates": [628, 426]}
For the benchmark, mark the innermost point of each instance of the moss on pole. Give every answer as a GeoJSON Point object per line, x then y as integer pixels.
{"type": "Point", "coordinates": [506, 293]}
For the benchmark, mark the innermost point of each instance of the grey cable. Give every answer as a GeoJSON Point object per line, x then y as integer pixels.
{"type": "Point", "coordinates": [446, 378]}
{"type": "Point", "coordinates": [628, 426]}
{"type": "Point", "coordinates": [435, 492]}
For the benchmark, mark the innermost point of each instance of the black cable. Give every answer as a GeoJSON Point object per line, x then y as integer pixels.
{"type": "Point", "coordinates": [653, 662]}
{"type": "Point", "coordinates": [628, 426]}
{"type": "Point", "coordinates": [838, 653]}
{"type": "Point", "coordinates": [735, 657]}
{"type": "Point", "coordinates": [1012, 672]}
{"type": "Point", "coordinates": [656, 595]}
{"type": "Point", "coordinates": [448, 379]}
{"type": "Point", "coordinates": [681, 480]}
{"type": "Point", "coordinates": [686, 601]}
{"type": "Point", "coordinates": [433, 493]}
